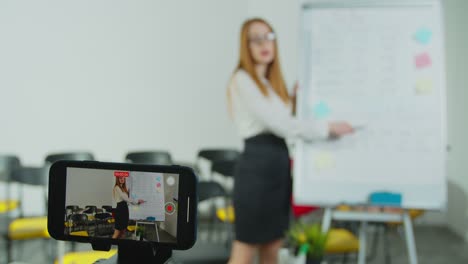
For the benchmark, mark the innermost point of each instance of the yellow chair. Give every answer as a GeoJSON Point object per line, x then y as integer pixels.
{"type": "Point", "coordinates": [7, 164]}
{"type": "Point", "coordinates": [226, 214]}
{"type": "Point", "coordinates": [86, 257]}
{"type": "Point", "coordinates": [80, 233]}
{"type": "Point", "coordinates": [8, 205]}
{"type": "Point", "coordinates": [25, 228]}
{"type": "Point", "coordinates": [131, 228]}
{"type": "Point", "coordinates": [28, 228]}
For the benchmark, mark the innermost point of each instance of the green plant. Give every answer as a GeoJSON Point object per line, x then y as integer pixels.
{"type": "Point", "coordinates": [308, 233]}
{"type": "Point", "coordinates": [140, 230]}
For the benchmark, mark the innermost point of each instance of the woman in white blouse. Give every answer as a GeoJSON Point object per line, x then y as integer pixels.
{"type": "Point", "coordinates": [121, 196]}
{"type": "Point", "coordinates": [262, 112]}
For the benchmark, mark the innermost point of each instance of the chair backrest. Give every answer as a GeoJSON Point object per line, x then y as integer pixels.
{"type": "Point", "coordinates": [224, 167]}
{"type": "Point", "coordinates": [7, 164]}
{"type": "Point", "coordinates": [90, 209]}
{"type": "Point", "coordinates": [210, 189]}
{"type": "Point", "coordinates": [74, 208]}
{"type": "Point", "coordinates": [79, 218]}
{"type": "Point", "coordinates": [102, 216]}
{"type": "Point", "coordinates": [38, 176]}
{"type": "Point", "coordinates": [218, 154]}
{"type": "Point", "coordinates": [150, 157]}
{"type": "Point", "coordinates": [107, 208]}
{"type": "Point", "coordinates": [51, 158]}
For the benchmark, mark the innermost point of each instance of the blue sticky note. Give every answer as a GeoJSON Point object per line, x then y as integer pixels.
{"type": "Point", "coordinates": [423, 35]}
{"type": "Point", "coordinates": [385, 199]}
{"type": "Point", "coordinates": [321, 110]}
{"type": "Point", "coordinates": [158, 178]}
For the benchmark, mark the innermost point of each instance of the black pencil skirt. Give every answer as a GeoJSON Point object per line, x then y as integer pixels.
{"type": "Point", "coordinates": [121, 216]}
{"type": "Point", "coordinates": [262, 190]}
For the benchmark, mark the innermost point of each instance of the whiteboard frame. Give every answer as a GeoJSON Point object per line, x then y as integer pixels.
{"type": "Point", "coordinates": [303, 68]}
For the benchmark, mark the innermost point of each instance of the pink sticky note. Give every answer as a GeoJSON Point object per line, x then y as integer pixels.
{"type": "Point", "coordinates": [422, 60]}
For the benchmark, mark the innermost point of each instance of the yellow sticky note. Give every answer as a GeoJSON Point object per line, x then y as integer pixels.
{"type": "Point", "coordinates": [424, 86]}
{"type": "Point", "coordinates": [324, 160]}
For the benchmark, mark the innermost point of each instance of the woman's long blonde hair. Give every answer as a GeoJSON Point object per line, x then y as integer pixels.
{"type": "Point", "coordinates": [247, 63]}
{"type": "Point", "coordinates": [123, 187]}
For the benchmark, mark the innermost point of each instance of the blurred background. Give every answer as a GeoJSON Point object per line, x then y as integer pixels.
{"type": "Point", "coordinates": [113, 77]}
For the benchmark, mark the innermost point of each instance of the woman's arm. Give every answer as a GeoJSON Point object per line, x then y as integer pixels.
{"type": "Point", "coordinates": [273, 116]}
{"type": "Point", "coordinates": [124, 196]}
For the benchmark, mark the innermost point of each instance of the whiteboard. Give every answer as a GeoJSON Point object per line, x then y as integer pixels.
{"type": "Point", "coordinates": [378, 65]}
{"type": "Point", "coordinates": [149, 187]}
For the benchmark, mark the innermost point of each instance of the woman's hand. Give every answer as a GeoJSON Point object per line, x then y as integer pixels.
{"type": "Point", "coordinates": [140, 201]}
{"type": "Point", "coordinates": [338, 129]}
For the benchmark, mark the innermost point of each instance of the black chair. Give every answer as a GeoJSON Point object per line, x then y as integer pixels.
{"type": "Point", "coordinates": [149, 157]}
{"type": "Point", "coordinates": [51, 158]}
{"type": "Point", "coordinates": [90, 209]}
{"type": "Point", "coordinates": [34, 227]}
{"type": "Point", "coordinates": [103, 224]}
{"type": "Point", "coordinates": [212, 155]}
{"type": "Point", "coordinates": [224, 167]}
{"type": "Point", "coordinates": [79, 222]}
{"type": "Point", "coordinates": [107, 208]}
{"type": "Point", "coordinates": [208, 190]}
{"type": "Point", "coordinates": [72, 209]}
{"type": "Point", "coordinates": [218, 154]}
{"type": "Point", "coordinates": [7, 164]}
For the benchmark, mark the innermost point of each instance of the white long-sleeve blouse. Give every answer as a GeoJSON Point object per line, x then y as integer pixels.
{"type": "Point", "coordinates": [254, 113]}
{"type": "Point", "coordinates": [120, 196]}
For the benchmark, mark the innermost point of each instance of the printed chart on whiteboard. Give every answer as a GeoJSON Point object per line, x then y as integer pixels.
{"type": "Point", "coordinates": [381, 69]}
{"type": "Point", "coordinates": [148, 186]}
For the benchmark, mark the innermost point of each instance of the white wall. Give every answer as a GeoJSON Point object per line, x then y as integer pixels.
{"type": "Point", "coordinates": [113, 76]}
{"type": "Point", "coordinates": [89, 187]}
{"type": "Point", "coordinates": [457, 80]}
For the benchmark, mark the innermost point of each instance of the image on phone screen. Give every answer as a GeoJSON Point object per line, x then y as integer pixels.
{"type": "Point", "coordinates": [132, 205]}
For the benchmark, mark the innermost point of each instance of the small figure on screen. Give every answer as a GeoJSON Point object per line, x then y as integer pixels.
{"type": "Point", "coordinates": [121, 196]}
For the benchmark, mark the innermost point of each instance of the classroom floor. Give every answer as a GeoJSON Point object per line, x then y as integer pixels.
{"type": "Point", "coordinates": [436, 245]}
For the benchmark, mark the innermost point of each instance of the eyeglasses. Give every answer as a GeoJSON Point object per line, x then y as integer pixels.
{"type": "Point", "coordinates": [260, 39]}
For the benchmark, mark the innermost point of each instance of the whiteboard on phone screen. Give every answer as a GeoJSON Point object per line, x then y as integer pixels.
{"type": "Point", "coordinates": [380, 66]}
{"type": "Point", "coordinates": [147, 186]}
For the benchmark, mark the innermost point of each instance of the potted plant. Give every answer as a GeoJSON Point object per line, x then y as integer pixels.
{"type": "Point", "coordinates": [307, 239]}
{"type": "Point", "coordinates": [139, 232]}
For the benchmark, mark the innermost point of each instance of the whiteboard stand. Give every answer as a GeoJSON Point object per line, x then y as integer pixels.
{"type": "Point", "coordinates": [148, 223]}
{"type": "Point", "coordinates": [365, 217]}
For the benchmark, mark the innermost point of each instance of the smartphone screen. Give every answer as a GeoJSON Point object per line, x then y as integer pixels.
{"type": "Point", "coordinates": [121, 204]}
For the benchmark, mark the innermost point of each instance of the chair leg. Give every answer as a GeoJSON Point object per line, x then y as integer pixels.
{"type": "Point", "coordinates": [9, 250]}
{"type": "Point", "coordinates": [345, 258]}
{"type": "Point", "coordinates": [212, 221]}
{"type": "Point", "coordinates": [387, 245]}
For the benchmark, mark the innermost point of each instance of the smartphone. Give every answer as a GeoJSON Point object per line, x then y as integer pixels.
{"type": "Point", "coordinates": [120, 203]}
